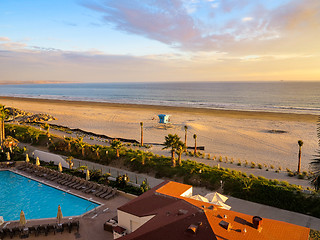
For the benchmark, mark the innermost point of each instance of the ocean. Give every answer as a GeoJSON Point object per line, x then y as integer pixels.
{"type": "Point", "coordinates": [288, 97]}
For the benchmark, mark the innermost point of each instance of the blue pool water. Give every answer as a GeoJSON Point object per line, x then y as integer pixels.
{"type": "Point", "coordinates": [37, 200]}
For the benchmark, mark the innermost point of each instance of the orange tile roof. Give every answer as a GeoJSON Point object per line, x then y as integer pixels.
{"type": "Point", "coordinates": [271, 229]}
{"type": "Point", "coordinates": [174, 189]}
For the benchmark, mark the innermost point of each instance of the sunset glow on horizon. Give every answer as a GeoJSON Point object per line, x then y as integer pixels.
{"type": "Point", "coordinates": [164, 40]}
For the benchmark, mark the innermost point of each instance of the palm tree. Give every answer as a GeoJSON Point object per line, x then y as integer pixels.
{"type": "Point", "coordinates": [195, 143]}
{"type": "Point", "coordinates": [80, 144]}
{"type": "Point", "coordinates": [68, 140]}
{"type": "Point", "coordinates": [180, 149]}
{"type": "Point", "coordinates": [96, 148]}
{"type": "Point", "coordinates": [171, 141]}
{"type": "Point", "coordinates": [185, 136]}
{"type": "Point", "coordinates": [141, 156]}
{"type": "Point", "coordinates": [116, 144]}
{"type": "Point", "coordinates": [70, 162]}
{"type": "Point", "coordinates": [141, 126]}
{"type": "Point", "coordinates": [300, 143]}
{"type": "Point", "coordinates": [3, 116]}
{"type": "Point", "coordinates": [47, 128]}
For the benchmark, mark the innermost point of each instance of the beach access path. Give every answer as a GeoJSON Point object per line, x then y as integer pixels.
{"type": "Point", "coordinates": [237, 204]}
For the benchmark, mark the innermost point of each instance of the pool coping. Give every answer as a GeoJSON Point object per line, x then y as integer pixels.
{"type": "Point", "coordinates": [58, 188]}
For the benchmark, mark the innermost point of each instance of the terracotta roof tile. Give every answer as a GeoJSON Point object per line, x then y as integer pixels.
{"type": "Point", "coordinates": [164, 201]}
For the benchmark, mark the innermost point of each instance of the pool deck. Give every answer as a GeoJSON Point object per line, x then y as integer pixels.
{"type": "Point", "coordinates": [91, 223]}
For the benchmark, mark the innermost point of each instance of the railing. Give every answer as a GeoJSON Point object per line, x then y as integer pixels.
{"type": "Point", "coordinates": [95, 208]}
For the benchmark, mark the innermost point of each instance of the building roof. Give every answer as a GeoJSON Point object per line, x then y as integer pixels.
{"type": "Point", "coordinates": [177, 217]}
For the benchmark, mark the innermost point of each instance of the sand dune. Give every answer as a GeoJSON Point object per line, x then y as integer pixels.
{"type": "Point", "coordinates": [241, 135]}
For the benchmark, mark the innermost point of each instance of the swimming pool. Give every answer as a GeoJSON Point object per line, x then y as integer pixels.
{"type": "Point", "coordinates": [37, 200]}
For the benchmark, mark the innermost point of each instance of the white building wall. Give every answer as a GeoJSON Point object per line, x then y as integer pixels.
{"type": "Point", "coordinates": [131, 222]}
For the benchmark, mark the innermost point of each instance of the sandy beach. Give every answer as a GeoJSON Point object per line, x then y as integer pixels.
{"type": "Point", "coordinates": [235, 134]}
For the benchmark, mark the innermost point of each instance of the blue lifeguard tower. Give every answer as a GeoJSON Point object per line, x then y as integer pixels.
{"type": "Point", "coordinates": [164, 118]}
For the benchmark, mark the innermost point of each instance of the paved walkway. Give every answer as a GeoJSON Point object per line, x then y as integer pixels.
{"type": "Point", "coordinates": [238, 205]}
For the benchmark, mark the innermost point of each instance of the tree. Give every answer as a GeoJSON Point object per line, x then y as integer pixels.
{"type": "Point", "coordinates": [68, 140]}
{"type": "Point", "coordinates": [80, 144]}
{"type": "Point", "coordinates": [47, 128]}
{"type": "Point", "coordinates": [195, 143]}
{"type": "Point", "coordinates": [70, 162]}
{"type": "Point", "coordinates": [3, 116]}
{"type": "Point", "coordinates": [180, 149]}
{"type": "Point", "coordinates": [142, 157]}
{"type": "Point", "coordinates": [141, 126]}
{"type": "Point", "coordinates": [300, 143]}
{"type": "Point", "coordinates": [96, 149]}
{"type": "Point", "coordinates": [185, 136]}
{"type": "Point", "coordinates": [116, 144]}
{"type": "Point", "coordinates": [171, 141]}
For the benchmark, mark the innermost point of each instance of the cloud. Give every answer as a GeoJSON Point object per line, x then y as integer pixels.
{"type": "Point", "coordinates": [166, 21]}
{"type": "Point", "coordinates": [247, 19]}
{"type": "Point", "coordinates": [39, 64]}
{"type": "Point", "coordinates": [175, 22]}
{"type": "Point", "coordinates": [4, 39]}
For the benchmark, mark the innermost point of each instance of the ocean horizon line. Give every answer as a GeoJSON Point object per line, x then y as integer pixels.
{"type": "Point", "coordinates": [44, 82]}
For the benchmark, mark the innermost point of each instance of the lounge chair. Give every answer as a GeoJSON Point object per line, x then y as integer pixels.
{"type": "Point", "coordinates": [88, 186]}
{"type": "Point", "coordinates": [76, 182]}
{"type": "Point", "coordinates": [93, 189]}
{"type": "Point", "coordinates": [51, 228]}
{"type": "Point", "coordinates": [54, 176]}
{"type": "Point", "coordinates": [66, 178]}
{"type": "Point", "coordinates": [88, 189]}
{"type": "Point", "coordinates": [106, 193]}
{"type": "Point", "coordinates": [74, 224]}
{"type": "Point", "coordinates": [113, 193]}
{"type": "Point", "coordinates": [85, 185]}
{"type": "Point", "coordinates": [103, 190]}
{"type": "Point", "coordinates": [80, 183]}
{"type": "Point", "coordinates": [32, 230]}
{"type": "Point", "coordinates": [24, 232]}
{"type": "Point", "coordinates": [69, 180]}
{"type": "Point", "coordinates": [41, 229]}
{"type": "Point", "coordinates": [98, 189]}
{"type": "Point", "coordinates": [8, 232]}
{"type": "Point", "coordinates": [2, 234]}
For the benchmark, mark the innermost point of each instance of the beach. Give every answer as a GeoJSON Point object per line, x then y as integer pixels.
{"type": "Point", "coordinates": [261, 137]}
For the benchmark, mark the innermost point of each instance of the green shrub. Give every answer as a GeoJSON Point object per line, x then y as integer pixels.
{"type": "Point", "coordinates": [259, 166]}
{"type": "Point", "coordinates": [253, 165]}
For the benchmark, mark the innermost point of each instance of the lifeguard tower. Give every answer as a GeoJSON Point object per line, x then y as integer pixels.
{"type": "Point", "coordinates": [164, 118]}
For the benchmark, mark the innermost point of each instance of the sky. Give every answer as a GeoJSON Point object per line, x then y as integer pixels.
{"type": "Point", "coordinates": [159, 40]}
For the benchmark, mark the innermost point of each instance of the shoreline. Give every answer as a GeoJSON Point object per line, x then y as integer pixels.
{"type": "Point", "coordinates": [311, 118]}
